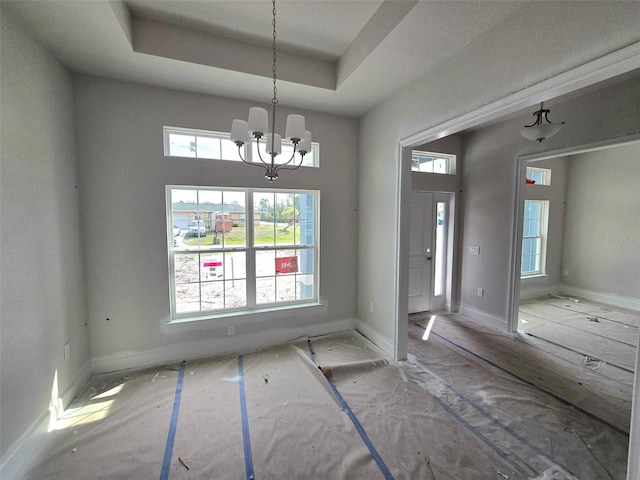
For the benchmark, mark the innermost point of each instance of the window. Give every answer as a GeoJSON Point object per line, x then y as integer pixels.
{"type": "Point", "coordinates": [534, 237]}
{"type": "Point", "coordinates": [429, 162]}
{"type": "Point", "coordinates": [538, 176]}
{"type": "Point", "coordinates": [238, 250]}
{"type": "Point", "coordinates": [440, 250]}
{"type": "Point", "coordinates": [183, 142]}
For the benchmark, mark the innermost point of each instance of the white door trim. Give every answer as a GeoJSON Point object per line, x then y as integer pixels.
{"type": "Point", "coordinates": [604, 68]}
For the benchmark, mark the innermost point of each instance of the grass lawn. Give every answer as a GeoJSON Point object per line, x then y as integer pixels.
{"type": "Point", "coordinates": [264, 235]}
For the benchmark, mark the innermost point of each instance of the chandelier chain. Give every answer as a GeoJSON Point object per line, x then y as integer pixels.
{"type": "Point", "coordinates": [274, 101]}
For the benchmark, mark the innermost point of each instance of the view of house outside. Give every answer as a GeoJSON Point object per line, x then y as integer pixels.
{"type": "Point", "coordinates": [217, 252]}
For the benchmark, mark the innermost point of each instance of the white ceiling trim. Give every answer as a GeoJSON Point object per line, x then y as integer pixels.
{"type": "Point", "coordinates": [383, 22]}
{"type": "Point", "coordinates": [617, 63]}
{"type": "Point", "coordinates": [166, 40]}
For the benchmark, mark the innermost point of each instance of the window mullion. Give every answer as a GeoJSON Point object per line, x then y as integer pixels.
{"type": "Point", "coordinates": [251, 252]}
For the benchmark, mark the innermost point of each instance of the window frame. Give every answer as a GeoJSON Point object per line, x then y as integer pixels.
{"type": "Point", "coordinates": [251, 252]}
{"type": "Point", "coordinates": [545, 173]}
{"type": "Point", "coordinates": [247, 149]}
{"type": "Point", "coordinates": [450, 161]}
{"type": "Point", "coordinates": [541, 252]}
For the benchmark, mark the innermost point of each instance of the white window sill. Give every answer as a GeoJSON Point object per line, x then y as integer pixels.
{"type": "Point", "coordinates": [242, 317]}
{"type": "Point", "coordinates": [533, 275]}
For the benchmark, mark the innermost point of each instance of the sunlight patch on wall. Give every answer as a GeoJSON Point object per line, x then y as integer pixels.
{"type": "Point", "coordinates": [61, 419]}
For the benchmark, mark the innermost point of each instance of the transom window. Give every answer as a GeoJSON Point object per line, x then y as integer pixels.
{"type": "Point", "coordinates": [534, 237]}
{"type": "Point", "coordinates": [538, 176]}
{"type": "Point", "coordinates": [183, 142]}
{"type": "Point", "coordinates": [429, 162]}
{"type": "Point", "coordinates": [234, 250]}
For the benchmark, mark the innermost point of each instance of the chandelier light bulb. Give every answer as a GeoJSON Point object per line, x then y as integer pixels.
{"type": "Point", "coordinates": [539, 130]}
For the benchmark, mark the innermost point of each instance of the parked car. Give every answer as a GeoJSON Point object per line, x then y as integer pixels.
{"type": "Point", "coordinates": [197, 228]}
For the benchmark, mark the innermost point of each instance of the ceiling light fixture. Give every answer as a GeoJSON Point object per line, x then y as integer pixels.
{"type": "Point", "coordinates": [258, 127]}
{"type": "Point", "coordinates": [539, 130]}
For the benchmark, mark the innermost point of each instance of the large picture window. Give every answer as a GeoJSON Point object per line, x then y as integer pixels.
{"type": "Point", "coordinates": [234, 250]}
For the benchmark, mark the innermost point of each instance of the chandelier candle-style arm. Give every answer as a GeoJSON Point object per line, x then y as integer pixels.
{"type": "Point", "coordinates": [258, 126]}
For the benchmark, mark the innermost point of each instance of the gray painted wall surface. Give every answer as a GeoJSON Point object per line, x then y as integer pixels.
{"type": "Point", "coordinates": [123, 173]}
{"type": "Point", "coordinates": [490, 169]}
{"type": "Point", "coordinates": [480, 73]}
{"type": "Point", "coordinates": [435, 182]}
{"type": "Point", "coordinates": [42, 295]}
{"type": "Point", "coordinates": [602, 229]}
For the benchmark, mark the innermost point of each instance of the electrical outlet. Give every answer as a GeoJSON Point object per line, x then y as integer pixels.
{"type": "Point", "coordinates": [371, 306]}
{"type": "Point", "coordinates": [481, 292]}
{"type": "Point", "coordinates": [566, 272]}
{"type": "Point", "coordinates": [474, 250]}
{"type": "Point", "coordinates": [67, 350]}
{"type": "Point", "coordinates": [231, 330]}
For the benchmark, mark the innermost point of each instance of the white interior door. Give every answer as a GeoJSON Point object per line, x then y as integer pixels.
{"type": "Point", "coordinates": [421, 250]}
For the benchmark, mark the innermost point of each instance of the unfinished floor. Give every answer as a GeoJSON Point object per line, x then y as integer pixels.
{"type": "Point", "coordinates": [469, 403]}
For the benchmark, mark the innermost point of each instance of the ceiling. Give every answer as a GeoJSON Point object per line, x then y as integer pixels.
{"type": "Point", "coordinates": [339, 56]}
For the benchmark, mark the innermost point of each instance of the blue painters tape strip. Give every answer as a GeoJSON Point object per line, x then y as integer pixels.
{"type": "Point", "coordinates": [484, 439]}
{"type": "Point", "coordinates": [524, 380]}
{"type": "Point", "coordinates": [168, 451]}
{"type": "Point", "coordinates": [504, 427]}
{"type": "Point", "coordinates": [352, 416]}
{"type": "Point", "coordinates": [365, 438]}
{"type": "Point", "coordinates": [312, 351]}
{"type": "Point", "coordinates": [578, 329]}
{"type": "Point", "coordinates": [248, 459]}
{"type": "Point", "coordinates": [579, 353]}
{"type": "Point", "coordinates": [600, 317]}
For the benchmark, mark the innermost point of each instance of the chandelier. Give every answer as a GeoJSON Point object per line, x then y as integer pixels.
{"type": "Point", "coordinates": [539, 130]}
{"type": "Point", "coordinates": [258, 128]}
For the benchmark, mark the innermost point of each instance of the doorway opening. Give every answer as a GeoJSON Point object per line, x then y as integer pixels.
{"type": "Point", "coordinates": [430, 261]}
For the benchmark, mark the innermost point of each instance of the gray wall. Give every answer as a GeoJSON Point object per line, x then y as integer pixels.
{"type": "Point", "coordinates": [42, 295]}
{"type": "Point", "coordinates": [437, 182]}
{"type": "Point", "coordinates": [123, 173]}
{"type": "Point", "coordinates": [482, 72]}
{"type": "Point", "coordinates": [602, 228]}
{"type": "Point", "coordinates": [490, 169]}
{"type": "Point", "coordinates": [555, 194]}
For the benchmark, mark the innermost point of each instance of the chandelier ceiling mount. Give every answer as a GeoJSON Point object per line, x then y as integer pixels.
{"type": "Point", "coordinates": [257, 127]}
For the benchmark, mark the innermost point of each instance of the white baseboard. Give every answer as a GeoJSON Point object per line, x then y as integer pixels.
{"type": "Point", "coordinates": [484, 318]}
{"type": "Point", "coordinates": [535, 292]}
{"type": "Point", "coordinates": [216, 346]}
{"type": "Point", "coordinates": [382, 342]}
{"type": "Point", "coordinates": [28, 449]}
{"type": "Point", "coordinates": [606, 298]}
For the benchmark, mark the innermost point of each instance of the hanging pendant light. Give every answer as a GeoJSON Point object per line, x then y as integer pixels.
{"type": "Point", "coordinates": [539, 130]}
{"type": "Point", "coordinates": [257, 127]}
